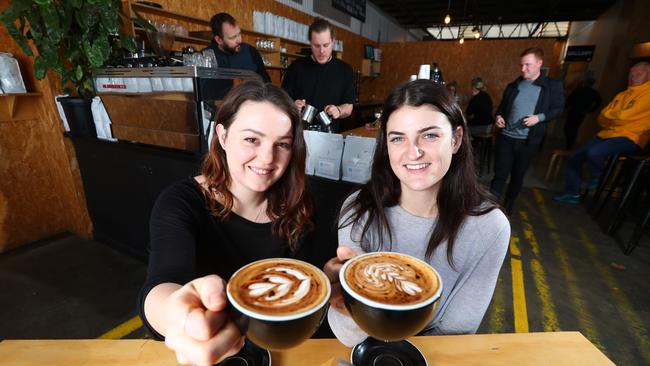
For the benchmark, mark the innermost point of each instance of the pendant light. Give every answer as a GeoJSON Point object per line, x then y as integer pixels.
{"type": "Point", "coordinates": [448, 17]}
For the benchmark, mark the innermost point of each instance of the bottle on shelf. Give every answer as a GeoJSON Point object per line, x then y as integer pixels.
{"type": "Point", "coordinates": [436, 74]}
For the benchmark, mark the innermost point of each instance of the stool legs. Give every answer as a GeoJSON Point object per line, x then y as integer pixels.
{"type": "Point", "coordinates": [636, 235]}
{"type": "Point", "coordinates": [619, 214]}
{"type": "Point", "coordinates": [609, 169]}
{"type": "Point", "coordinates": [551, 166]}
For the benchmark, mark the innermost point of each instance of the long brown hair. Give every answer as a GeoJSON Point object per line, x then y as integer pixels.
{"type": "Point", "coordinates": [459, 195]}
{"type": "Point", "coordinates": [289, 206]}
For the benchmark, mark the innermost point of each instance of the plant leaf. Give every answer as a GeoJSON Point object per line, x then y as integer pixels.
{"type": "Point", "coordinates": [95, 55]}
{"type": "Point", "coordinates": [78, 73]}
{"type": "Point", "coordinates": [40, 67]}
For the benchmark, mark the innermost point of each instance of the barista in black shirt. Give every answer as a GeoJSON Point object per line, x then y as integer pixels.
{"type": "Point", "coordinates": [229, 49]}
{"type": "Point", "coordinates": [321, 80]}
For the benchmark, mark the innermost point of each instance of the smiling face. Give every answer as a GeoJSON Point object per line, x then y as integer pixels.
{"type": "Point", "coordinates": [420, 147]}
{"type": "Point", "coordinates": [321, 46]}
{"type": "Point", "coordinates": [258, 147]}
{"type": "Point", "coordinates": [639, 74]}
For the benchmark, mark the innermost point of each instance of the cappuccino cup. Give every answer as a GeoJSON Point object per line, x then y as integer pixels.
{"type": "Point", "coordinates": [278, 303]}
{"type": "Point", "coordinates": [390, 296]}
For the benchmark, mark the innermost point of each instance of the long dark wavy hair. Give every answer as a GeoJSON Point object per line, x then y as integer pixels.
{"type": "Point", "coordinates": [460, 194]}
{"type": "Point", "coordinates": [289, 204]}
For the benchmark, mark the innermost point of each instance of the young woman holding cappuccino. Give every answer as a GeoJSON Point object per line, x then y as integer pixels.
{"type": "Point", "coordinates": [423, 199]}
{"type": "Point", "coordinates": [249, 203]}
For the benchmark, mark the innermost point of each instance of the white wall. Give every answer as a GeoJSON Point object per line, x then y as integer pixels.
{"type": "Point", "coordinates": [377, 27]}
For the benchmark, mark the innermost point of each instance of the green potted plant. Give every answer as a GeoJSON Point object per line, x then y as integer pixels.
{"type": "Point", "coordinates": [70, 37]}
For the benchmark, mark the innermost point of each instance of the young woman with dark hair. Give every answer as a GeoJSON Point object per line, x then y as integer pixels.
{"type": "Point", "coordinates": [423, 199]}
{"type": "Point", "coordinates": [249, 203]}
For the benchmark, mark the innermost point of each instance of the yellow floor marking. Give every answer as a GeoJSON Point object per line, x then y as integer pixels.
{"type": "Point", "coordinates": [576, 297]}
{"type": "Point", "coordinates": [496, 318]}
{"type": "Point", "coordinates": [518, 291]}
{"type": "Point", "coordinates": [550, 322]}
{"type": "Point", "coordinates": [123, 329]}
{"type": "Point", "coordinates": [624, 306]}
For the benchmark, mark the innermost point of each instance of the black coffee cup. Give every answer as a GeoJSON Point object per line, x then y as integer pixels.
{"type": "Point", "coordinates": [278, 332]}
{"type": "Point", "coordinates": [389, 322]}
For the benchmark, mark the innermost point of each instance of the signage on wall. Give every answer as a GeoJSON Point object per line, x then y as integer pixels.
{"type": "Point", "coordinates": [580, 53]}
{"type": "Point", "coordinates": [356, 8]}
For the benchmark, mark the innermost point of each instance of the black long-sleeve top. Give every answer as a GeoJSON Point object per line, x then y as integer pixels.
{"type": "Point", "coordinates": [479, 110]}
{"type": "Point", "coordinates": [187, 242]}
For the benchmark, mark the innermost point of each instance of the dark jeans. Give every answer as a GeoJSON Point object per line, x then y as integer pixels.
{"type": "Point", "coordinates": [571, 127]}
{"type": "Point", "coordinates": [511, 158]}
{"type": "Point", "coordinates": [595, 152]}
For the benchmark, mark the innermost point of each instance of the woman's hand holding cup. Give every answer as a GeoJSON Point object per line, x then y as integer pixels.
{"type": "Point", "coordinates": [197, 326]}
{"type": "Point", "coordinates": [331, 269]}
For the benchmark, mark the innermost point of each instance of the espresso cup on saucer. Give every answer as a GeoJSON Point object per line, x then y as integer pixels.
{"type": "Point", "coordinates": [278, 303]}
{"type": "Point", "coordinates": [390, 296]}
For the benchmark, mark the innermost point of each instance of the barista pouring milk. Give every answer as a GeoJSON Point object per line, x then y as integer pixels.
{"type": "Point", "coordinates": [321, 80]}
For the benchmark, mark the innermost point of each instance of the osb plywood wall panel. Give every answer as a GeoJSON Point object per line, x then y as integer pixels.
{"type": "Point", "coordinates": [40, 187]}
{"type": "Point", "coordinates": [496, 61]}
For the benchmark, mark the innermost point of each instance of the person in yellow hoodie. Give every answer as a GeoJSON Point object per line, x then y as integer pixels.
{"type": "Point", "coordinates": [626, 129]}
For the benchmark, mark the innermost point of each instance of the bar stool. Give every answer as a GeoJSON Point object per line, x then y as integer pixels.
{"type": "Point", "coordinates": [612, 166]}
{"type": "Point", "coordinates": [556, 161]}
{"type": "Point", "coordinates": [640, 165]}
{"type": "Point", "coordinates": [483, 144]}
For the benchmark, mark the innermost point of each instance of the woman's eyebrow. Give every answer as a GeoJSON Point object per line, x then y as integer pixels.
{"type": "Point", "coordinates": [419, 131]}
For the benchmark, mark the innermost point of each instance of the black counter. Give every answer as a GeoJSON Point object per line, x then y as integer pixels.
{"type": "Point", "coordinates": [122, 181]}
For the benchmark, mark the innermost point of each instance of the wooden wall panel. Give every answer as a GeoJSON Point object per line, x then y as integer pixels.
{"type": "Point", "coordinates": [496, 61]}
{"type": "Point", "coordinates": [242, 10]}
{"type": "Point", "coordinates": [41, 193]}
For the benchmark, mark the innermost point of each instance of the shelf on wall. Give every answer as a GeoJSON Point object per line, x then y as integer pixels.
{"type": "Point", "coordinates": [18, 106]}
{"type": "Point", "coordinates": [292, 54]}
{"type": "Point", "coordinates": [200, 21]}
{"type": "Point", "coordinates": [178, 38]}
{"type": "Point", "coordinates": [168, 13]}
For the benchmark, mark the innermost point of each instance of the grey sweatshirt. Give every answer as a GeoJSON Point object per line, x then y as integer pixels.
{"type": "Point", "coordinates": [479, 250]}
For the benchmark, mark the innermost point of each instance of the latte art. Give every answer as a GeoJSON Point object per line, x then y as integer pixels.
{"type": "Point", "coordinates": [281, 286]}
{"type": "Point", "coordinates": [278, 287]}
{"type": "Point", "coordinates": [391, 278]}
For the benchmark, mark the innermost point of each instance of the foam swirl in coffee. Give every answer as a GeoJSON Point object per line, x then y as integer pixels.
{"type": "Point", "coordinates": [391, 278]}
{"type": "Point", "coordinates": [278, 287]}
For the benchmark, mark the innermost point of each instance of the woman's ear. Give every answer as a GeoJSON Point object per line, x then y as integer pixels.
{"type": "Point", "coordinates": [457, 140]}
{"type": "Point", "coordinates": [221, 135]}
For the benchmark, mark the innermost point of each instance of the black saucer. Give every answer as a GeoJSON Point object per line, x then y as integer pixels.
{"type": "Point", "coordinates": [372, 352]}
{"type": "Point", "coordinates": [249, 355]}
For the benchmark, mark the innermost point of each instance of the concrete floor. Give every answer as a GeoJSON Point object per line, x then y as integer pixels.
{"type": "Point", "coordinates": [574, 278]}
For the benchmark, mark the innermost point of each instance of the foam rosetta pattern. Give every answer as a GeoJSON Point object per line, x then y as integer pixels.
{"type": "Point", "coordinates": [389, 280]}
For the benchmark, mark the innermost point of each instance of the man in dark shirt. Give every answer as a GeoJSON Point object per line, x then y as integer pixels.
{"type": "Point", "coordinates": [528, 104]}
{"type": "Point", "coordinates": [229, 49]}
{"type": "Point", "coordinates": [321, 80]}
{"type": "Point", "coordinates": [479, 110]}
{"type": "Point", "coordinates": [582, 100]}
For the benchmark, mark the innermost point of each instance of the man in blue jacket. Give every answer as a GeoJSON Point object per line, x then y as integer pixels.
{"type": "Point", "coordinates": [527, 105]}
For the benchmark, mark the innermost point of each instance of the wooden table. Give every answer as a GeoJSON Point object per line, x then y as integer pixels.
{"type": "Point", "coordinates": [557, 348]}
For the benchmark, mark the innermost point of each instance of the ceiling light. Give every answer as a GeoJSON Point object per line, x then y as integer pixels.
{"type": "Point", "coordinates": [448, 17]}
{"type": "Point", "coordinates": [462, 40]}
{"type": "Point", "coordinates": [476, 32]}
